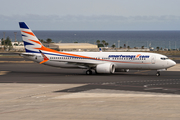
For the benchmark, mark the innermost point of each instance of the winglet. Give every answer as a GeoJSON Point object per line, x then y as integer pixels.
{"type": "Point", "coordinates": [45, 58]}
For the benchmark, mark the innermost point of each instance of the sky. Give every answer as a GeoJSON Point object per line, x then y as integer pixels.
{"type": "Point", "coordinates": [91, 14]}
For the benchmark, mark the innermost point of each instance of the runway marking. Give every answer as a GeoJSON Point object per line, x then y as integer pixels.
{"type": "Point", "coordinates": [4, 72]}
{"type": "Point", "coordinates": [153, 88]}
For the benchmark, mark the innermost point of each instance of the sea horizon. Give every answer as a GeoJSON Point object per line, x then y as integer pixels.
{"type": "Point", "coordinates": [147, 38]}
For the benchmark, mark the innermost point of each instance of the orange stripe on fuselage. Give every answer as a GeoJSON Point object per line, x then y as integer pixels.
{"type": "Point", "coordinates": [30, 33]}
{"type": "Point", "coordinates": [54, 51]}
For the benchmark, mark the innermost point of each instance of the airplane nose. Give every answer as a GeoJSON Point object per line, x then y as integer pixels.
{"type": "Point", "coordinates": [172, 63]}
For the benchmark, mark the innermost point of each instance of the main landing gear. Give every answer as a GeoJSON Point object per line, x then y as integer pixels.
{"type": "Point", "coordinates": [88, 72]}
{"type": "Point", "coordinates": [158, 73]}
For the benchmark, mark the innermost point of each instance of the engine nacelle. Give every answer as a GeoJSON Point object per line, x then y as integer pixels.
{"type": "Point", "coordinates": [105, 68]}
{"type": "Point", "coordinates": [122, 70]}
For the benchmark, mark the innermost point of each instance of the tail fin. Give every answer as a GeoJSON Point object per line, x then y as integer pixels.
{"type": "Point", "coordinates": [31, 43]}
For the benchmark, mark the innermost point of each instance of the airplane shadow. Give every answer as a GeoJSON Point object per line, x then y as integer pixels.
{"type": "Point", "coordinates": [114, 87]}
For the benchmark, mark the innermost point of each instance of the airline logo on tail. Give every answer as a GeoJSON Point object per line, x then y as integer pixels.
{"type": "Point", "coordinates": [30, 40]}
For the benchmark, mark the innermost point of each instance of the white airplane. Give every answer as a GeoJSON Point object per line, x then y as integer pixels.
{"type": "Point", "coordinates": [100, 62]}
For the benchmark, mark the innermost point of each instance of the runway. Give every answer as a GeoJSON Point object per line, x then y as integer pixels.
{"type": "Point", "coordinates": [144, 80]}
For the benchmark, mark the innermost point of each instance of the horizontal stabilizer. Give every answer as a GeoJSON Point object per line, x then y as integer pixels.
{"type": "Point", "coordinates": [27, 54]}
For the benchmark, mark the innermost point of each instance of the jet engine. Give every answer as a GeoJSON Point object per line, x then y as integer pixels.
{"type": "Point", "coordinates": [105, 68]}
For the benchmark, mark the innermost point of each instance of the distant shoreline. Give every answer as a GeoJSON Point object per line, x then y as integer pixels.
{"type": "Point", "coordinates": [166, 38]}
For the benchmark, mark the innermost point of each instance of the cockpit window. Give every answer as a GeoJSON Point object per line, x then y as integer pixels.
{"type": "Point", "coordinates": [164, 58]}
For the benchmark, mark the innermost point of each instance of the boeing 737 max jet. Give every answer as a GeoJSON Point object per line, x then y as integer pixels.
{"type": "Point", "coordinates": [101, 62]}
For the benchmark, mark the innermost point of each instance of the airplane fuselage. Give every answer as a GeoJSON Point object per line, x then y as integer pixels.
{"type": "Point", "coordinates": [121, 60]}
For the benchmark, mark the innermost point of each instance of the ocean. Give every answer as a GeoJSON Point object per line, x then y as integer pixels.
{"type": "Point", "coordinates": [164, 39]}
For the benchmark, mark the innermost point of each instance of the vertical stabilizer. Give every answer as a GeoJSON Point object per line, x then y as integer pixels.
{"type": "Point", "coordinates": [31, 43]}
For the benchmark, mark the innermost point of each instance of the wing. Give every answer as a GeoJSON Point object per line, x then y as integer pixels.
{"type": "Point", "coordinates": [78, 63]}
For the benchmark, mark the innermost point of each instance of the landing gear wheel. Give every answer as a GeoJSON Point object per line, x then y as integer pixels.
{"type": "Point", "coordinates": [158, 74]}
{"type": "Point", "coordinates": [88, 72]}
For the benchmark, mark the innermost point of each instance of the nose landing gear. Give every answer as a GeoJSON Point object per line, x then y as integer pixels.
{"type": "Point", "coordinates": [158, 73]}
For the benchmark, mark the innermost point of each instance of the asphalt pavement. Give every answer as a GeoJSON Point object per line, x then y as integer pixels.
{"type": "Point", "coordinates": [144, 80]}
